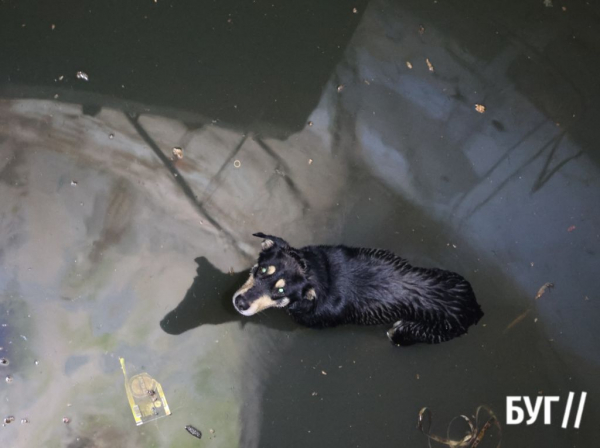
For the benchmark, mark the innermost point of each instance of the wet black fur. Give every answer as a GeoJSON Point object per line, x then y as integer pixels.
{"type": "Point", "coordinates": [368, 287]}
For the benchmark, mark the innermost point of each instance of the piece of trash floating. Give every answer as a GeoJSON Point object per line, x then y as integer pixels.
{"type": "Point", "coordinates": [4, 362]}
{"type": "Point", "coordinates": [111, 136]}
{"type": "Point", "coordinates": [212, 431]}
{"type": "Point", "coordinates": [517, 319]}
{"type": "Point", "coordinates": [9, 419]}
{"type": "Point", "coordinates": [314, 394]}
{"type": "Point", "coordinates": [409, 65]}
{"type": "Point", "coordinates": [74, 182]}
{"type": "Point", "coordinates": [340, 88]}
{"type": "Point", "coordinates": [66, 420]}
{"type": "Point", "coordinates": [237, 163]}
{"type": "Point", "coordinates": [24, 338]}
{"type": "Point", "coordinates": [429, 65]}
{"type": "Point", "coordinates": [193, 431]}
{"type": "Point", "coordinates": [146, 397]}
{"type": "Point", "coordinates": [310, 161]}
{"type": "Point", "coordinates": [9, 379]}
{"type": "Point", "coordinates": [571, 228]}
{"type": "Point", "coordinates": [421, 29]}
{"type": "Point", "coordinates": [548, 3]}
{"type": "Point", "coordinates": [178, 152]}
{"type": "Point", "coordinates": [310, 123]}
{"type": "Point", "coordinates": [83, 76]}
{"type": "Point", "coordinates": [323, 372]}
{"type": "Point", "coordinates": [24, 420]}
{"type": "Point", "coordinates": [543, 289]}
{"type": "Point", "coordinates": [480, 108]}
{"type": "Point", "coordinates": [36, 362]}
{"type": "Point", "coordinates": [474, 435]}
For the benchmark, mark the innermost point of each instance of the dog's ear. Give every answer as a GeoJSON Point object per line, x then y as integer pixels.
{"type": "Point", "coordinates": [310, 294]}
{"type": "Point", "coordinates": [271, 241]}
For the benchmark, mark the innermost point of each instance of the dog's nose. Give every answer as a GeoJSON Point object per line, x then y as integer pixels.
{"type": "Point", "coordinates": [241, 303]}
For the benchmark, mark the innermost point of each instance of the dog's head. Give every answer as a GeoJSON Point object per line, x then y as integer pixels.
{"type": "Point", "coordinates": [278, 279]}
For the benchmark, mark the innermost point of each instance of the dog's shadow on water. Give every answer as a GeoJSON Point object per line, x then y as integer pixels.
{"type": "Point", "coordinates": [208, 301]}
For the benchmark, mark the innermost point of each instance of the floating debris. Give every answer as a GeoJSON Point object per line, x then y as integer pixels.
{"type": "Point", "coordinates": [111, 136]}
{"type": "Point", "coordinates": [146, 397]}
{"type": "Point", "coordinates": [429, 65]}
{"type": "Point", "coordinates": [36, 362]}
{"type": "Point", "coordinates": [340, 87]}
{"type": "Point", "coordinates": [237, 163]}
{"type": "Point", "coordinates": [74, 182]}
{"type": "Point", "coordinates": [517, 319]}
{"type": "Point", "coordinates": [354, 10]}
{"type": "Point", "coordinates": [409, 65]}
{"type": "Point", "coordinates": [543, 290]}
{"type": "Point", "coordinates": [323, 372]}
{"type": "Point", "coordinates": [24, 420]}
{"type": "Point", "coordinates": [4, 362]}
{"type": "Point", "coordinates": [474, 435]}
{"type": "Point", "coordinates": [571, 228]}
{"type": "Point", "coordinates": [193, 431]}
{"type": "Point", "coordinates": [83, 76]}
{"type": "Point", "coordinates": [548, 3]}
{"type": "Point", "coordinates": [212, 431]}
{"type": "Point", "coordinates": [310, 123]}
{"type": "Point", "coordinates": [52, 27]}
{"type": "Point", "coordinates": [66, 420]}
{"type": "Point", "coordinates": [310, 161]}
{"type": "Point", "coordinates": [314, 394]}
{"type": "Point", "coordinates": [9, 379]}
{"type": "Point", "coordinates": [178, 152]}
{"type": "Point", "coordinates": [421, 29]}
{"type": "Point", "coordinates": [366, 81]}
{"type": "Point", "coordinates": [480, 108]}
{"type": "Point", "coordinates": [9, 419]}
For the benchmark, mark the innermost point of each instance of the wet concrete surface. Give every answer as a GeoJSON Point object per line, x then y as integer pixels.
{"type": "Point", "coordinates": [112, 248]}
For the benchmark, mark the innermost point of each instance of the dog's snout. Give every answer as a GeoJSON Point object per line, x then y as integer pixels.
{"type": "Point", "coordinates": [241, 303]}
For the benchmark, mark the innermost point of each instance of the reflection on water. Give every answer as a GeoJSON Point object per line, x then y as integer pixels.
{"type": "Point", "coordinates": [111, 247]}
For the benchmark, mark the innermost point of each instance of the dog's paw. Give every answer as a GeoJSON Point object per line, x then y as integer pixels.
{"type": "Point", "coordinates": [398, 337]}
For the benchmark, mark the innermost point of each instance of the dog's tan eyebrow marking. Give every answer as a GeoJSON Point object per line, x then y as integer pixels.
{"type": "Point", "coordinates": [271, 270]}
{"type": "Point", "coordinates": [280, 283]}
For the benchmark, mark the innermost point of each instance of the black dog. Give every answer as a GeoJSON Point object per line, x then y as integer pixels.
{"type": "Point", "coordinates": [325, 286]}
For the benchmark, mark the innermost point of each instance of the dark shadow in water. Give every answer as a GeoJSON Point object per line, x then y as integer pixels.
{"type": "Point", "coordinates": [260, 63]}
{"type": "Point", "coordinates": [208, 302]}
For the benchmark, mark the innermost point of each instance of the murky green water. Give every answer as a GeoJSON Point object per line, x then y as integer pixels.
{"type": "Point", "coordinates": [322, 125]}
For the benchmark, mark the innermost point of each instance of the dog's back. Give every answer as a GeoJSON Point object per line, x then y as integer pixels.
{"type": "Point", "coordinates": [370, 287]}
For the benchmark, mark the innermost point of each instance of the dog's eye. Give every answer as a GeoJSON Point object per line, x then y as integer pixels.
{"type": "Point", "coordinates": [280, 290]}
